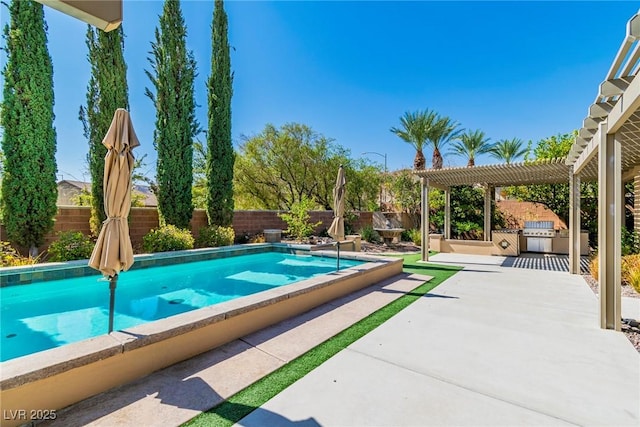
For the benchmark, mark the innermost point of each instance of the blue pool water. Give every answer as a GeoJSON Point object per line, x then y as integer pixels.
{"type": "Point", "coordinates": [50, 314]}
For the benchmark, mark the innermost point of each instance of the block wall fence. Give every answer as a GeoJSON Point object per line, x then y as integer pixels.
{"type": "Point", "coordinates": [142, 220]}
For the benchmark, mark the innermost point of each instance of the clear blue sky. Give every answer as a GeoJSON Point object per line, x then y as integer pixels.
{"type": "Point", "coordinates": [351, 69]}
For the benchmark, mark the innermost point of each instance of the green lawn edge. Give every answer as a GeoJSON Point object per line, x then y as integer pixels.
{"type": "Point", "coordinates": [247, 400]}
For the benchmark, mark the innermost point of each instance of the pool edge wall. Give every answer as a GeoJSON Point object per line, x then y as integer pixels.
{"type": "Point", "coordinates": [120, 361]}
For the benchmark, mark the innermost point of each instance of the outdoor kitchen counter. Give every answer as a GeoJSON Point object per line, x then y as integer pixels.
{"type": "Point", "coordinates": [560, 244]}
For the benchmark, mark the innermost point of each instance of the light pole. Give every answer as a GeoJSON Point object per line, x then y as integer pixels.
{"type": "Point", "coordinates": [381, 155]}
{"type": "Point", "coordinates": [385, 172]}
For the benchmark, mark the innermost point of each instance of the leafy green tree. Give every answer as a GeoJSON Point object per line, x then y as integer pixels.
{"type": "Point", "coordinates": [220, 160]}
{"type": "Point", "coordinates": [404, 194]}
{"type": "Point", "coordinates": [363, 182]}
{"type": "Point", "coordinates": [298, 220]}
{"type": "Point", "coordinates": [279, 167]}
{"type": "Point", "coordinates": [1, 175]}
{"type": "Point", "coordinates": [83, 198]}
{"type": "Point", "coordinates": [414, 130]}
{"type": "Point", "coordinates": [106, 92]}
{"type": "Point", "coordinates": [467, 212]}
{"type": "Point", "coordinates": [29, 190]}
{"type": "Point", "coordinates": [440, 133]}
{"type": "Point", "coordinates": [508, 150]}
{"type": "Point", "coordinates": [173, 73]}
{"type": "Point", "coordinates": [199, 190]}
{"type": "Point", "coordinates": [471, 144]}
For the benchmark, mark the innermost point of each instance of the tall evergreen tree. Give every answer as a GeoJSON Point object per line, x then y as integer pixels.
{"type": "Point", "coordinates": [173, 74]}
{"type": "Point", "coordinates": [29, 189]}
{"type": "Point", "coordinates": [106, 92]}
{"type": "Point", "coordinates": [220, 160]}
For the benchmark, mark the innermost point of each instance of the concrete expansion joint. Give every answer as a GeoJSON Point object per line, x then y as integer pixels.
{"type": "Point", "coordinates": [455, 384]}
{"type": "Point", "coordinates": [263, 351]}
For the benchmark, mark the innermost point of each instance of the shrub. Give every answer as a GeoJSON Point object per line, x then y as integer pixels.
{"type": "Point", "coordinates": [167, 238]}
{"type": "Point", "coordinates": [214, 236]}
{"type": "Point", "coordinates": [630, 242]}
{"type": "Point", "coordinates": [257, 238]}
{"type": "Point", "coordinates": [369, 234]}
{"type": "Point", "coordinates": [69, 246]}
{"type": "Point", "coordinates": [631, 271]}
{"type": "Point", "coordinates": [414, 235]}
{"type": "Point", "coordinates": [298, 219]}
{"type": "Point", "coordinates": [593, 266]}
{"type": "Point", "coordinates": [9, 257]}
{"type": "Point", "coordinates": [350, 218]}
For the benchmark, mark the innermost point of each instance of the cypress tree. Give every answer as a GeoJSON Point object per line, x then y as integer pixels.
{"type": "Point", "coordinates": [221, 157]}
{"type": "Point", "coordinates": [173, 74]}
{"type": "Point", "coordinates": [29, 190]}
{"type": "Point", "coordinates": [106, 92]}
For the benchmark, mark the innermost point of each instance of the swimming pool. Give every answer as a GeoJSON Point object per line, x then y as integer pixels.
{"type": "Point", "coordinates": [45, 315]}
{"type": "Point", "coordinates": [63, 375]}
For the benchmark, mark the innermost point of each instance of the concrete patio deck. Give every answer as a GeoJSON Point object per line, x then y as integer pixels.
{"type": "Point", "coordinates": [492, 345]}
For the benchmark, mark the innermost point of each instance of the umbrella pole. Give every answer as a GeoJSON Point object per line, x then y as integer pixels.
{"type": "Point", "coordinates": [113, 280]}
{"type": "Point", "coordinates": [338, 262]}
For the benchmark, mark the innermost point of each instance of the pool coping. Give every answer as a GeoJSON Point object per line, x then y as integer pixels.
{"type": "Point", "coordinates": [38, 366]}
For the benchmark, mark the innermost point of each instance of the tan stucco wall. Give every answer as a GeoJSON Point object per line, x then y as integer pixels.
{"type": "Point", "coordinates": [471, 247]}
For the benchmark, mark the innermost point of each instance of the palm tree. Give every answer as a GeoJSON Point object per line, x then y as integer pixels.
{"type": "Point", "coordinates": [414, 130]}
{"type": "Point", "coordinates": [442, 131]}
{"type": "Point", "coordinates": [471, 144]}
{"type": "Point", "coordinates": [508, 149]}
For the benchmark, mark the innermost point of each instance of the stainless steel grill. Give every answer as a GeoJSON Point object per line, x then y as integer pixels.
{"type": "Point", "coordinates": [539, 234]}
{"type": "Point", "coordinates": [538, 229]}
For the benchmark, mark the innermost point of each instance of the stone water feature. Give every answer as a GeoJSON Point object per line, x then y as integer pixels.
{"type": "Point", "coordinates": [388, 228]}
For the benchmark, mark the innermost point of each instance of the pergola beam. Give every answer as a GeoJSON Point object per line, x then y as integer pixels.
{"type": "Point", "coordinates": [631, 174]}
{"type": "Point", "coordinates": [591, 123]}
{"type": "Point", "coordinates": [588, 153]}
{"type": "Point", "coordinates": [103, 14]}
{"type": "Point", "coordinates": [626, 106]}
{"type": "Point", "coordinates": [614, 87]}
{"type": "Point", "coordinates": [599, 109]}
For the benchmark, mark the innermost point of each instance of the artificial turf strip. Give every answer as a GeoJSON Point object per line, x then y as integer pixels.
{"type": "Point", "coordinates": [247, 400]}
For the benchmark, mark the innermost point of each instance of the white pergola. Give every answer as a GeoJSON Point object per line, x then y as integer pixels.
{"type": "Point", "coordinates": [609, 140]}
{"type": "Point", "coordinates": [549, 171]}
{"type": "Point", "coordinates": [607, 150]}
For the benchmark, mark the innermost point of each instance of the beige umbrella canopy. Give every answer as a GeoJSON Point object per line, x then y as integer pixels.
{"type": "Point", "coordinates": [113, 252]}
{"type": "Point", "coordinates": [336, 230]}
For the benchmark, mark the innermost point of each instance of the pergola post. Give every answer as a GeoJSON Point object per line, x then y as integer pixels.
{"type": "Point", "coordinates": [447, 213]}
{"type": "Point", "coordinates": [636, 203]}
{"type": "Point", "coordinates": [609, 228]}
{"type": "Point", "coordinates": [424, 227]}
{"type": "Point", "coordinates": [574, 222]}
{"type": "Point", "coordinates": [487, 212]}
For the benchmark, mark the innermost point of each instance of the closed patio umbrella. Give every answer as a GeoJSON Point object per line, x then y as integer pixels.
{"type": "Point", "coordinates": [113, 252]}
{"type": "Point", "coordinates": [336, 230]}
